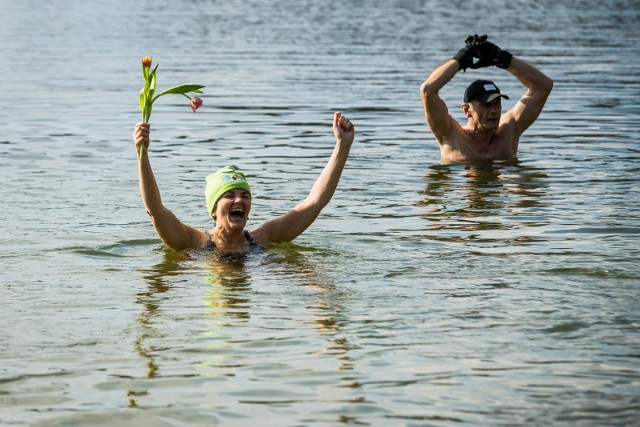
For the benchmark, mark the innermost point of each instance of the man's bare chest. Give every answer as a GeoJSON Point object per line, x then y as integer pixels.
{"type": "Point", "coordinates": [466, 148]}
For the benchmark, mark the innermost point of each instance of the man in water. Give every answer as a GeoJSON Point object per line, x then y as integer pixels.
{"type": "Point", "coordinates": [488, 134]}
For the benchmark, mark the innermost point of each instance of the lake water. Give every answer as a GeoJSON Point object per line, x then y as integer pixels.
{"type": "Point", "coordinates": [424, 295]}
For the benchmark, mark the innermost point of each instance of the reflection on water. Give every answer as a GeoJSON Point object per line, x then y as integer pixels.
{"type": "Point", "coordinates": [229, 280]}
{"type": "Point", "coordinates": [152, 300]}
{"type": "Point", "coordinates": [229, 301]}
{"type": "Point", "coordinates": [229, 294]}
{"type": "Point", "coordinates": [324, 311]}
{"type": "Point", "coordinates": [469, 202]}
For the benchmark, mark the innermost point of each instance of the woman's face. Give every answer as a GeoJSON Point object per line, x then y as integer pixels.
{"type": "Point", "coordinates": [232, 209]}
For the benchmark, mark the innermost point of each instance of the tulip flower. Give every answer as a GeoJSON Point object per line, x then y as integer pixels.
{"type": "Point", "coordinates": [147, 93]}
{"type": "Point", "coordinates": [196, 102]}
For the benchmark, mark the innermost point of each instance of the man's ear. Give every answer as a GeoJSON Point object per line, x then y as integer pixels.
{"type": "Point", "coordinates": [465, 109]}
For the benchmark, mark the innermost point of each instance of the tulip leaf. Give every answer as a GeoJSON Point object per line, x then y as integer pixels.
{"type": "Point", "coordinates": [180, 90]}
{"type": "Point", "coordinates": [146, 86]}
{"type": "Point", "coordinates": [146, 113]}
{"type": "Point", "coordinates": [150, 82]}
{"type": "Point", "coordinates": [152, 73]}
{"type": "Point", "coordinates": [142, 101]}
{"type": "Point", "coordinates": [153, 81]}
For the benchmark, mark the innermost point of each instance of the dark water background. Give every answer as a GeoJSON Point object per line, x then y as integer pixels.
{"type": "Point", "coordinates": [424, 295]}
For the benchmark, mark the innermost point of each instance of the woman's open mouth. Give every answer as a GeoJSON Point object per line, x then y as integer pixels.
{"type": "Point", "coordinates": [236, 213]}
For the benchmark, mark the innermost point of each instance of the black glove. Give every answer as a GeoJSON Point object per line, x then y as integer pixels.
{"type": "Point", "coordinates": [504, 59]}
{"type": "Point", "coordinates": [465, 55]}
{"type": "Point", "coordinates": [482, 50]}
{"type": "Point", "coordinates": [489, 54]}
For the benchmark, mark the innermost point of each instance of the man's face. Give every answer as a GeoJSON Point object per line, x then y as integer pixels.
{"type": "Point", "coordinates": [486, 116]}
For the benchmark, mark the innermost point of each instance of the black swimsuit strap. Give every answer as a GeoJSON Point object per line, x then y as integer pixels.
{"type": "Point", "coordinates": [245, 233]}
{"type": "Point", "coordinates": [210, 243]}
{"type": "Point", "coordinates": [247, 236]}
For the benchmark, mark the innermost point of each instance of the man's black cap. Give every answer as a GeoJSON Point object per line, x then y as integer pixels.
{"type": "Point", "coordinates": [483, 91]}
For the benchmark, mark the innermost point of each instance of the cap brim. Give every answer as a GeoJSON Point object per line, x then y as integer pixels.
{"type": "Point", "coordinates": [491, 97]}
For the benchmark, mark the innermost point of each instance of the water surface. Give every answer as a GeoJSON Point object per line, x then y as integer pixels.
{"type": "Point", "coordinates": [423, 295]}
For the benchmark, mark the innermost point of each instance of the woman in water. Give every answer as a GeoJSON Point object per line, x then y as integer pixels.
{"type": "Point", "coordinates": [228, 198]}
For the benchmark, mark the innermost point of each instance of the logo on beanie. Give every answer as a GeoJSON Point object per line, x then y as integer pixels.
{"type": "Point", "coordinates": [231, 178]}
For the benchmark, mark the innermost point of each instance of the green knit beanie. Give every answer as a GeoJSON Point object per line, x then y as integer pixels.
{"type": "Point", "coordinates": [225, 179]}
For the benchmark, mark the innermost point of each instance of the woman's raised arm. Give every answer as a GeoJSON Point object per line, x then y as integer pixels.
{"type": "Point", "coordinates": [172, 231]}
{"type": "Point", "coordinates": [290, 225]}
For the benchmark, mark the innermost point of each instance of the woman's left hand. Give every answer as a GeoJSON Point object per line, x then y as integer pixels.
{"type": "Point", "coordinates": [343, 128]}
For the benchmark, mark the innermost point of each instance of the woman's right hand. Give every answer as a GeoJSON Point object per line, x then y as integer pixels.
{"type": "Point", "coordinates": [141, 136]}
